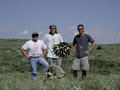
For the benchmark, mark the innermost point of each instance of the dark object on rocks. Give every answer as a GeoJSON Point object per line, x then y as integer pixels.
{"type": "Point", "coordinates": [62, 49]}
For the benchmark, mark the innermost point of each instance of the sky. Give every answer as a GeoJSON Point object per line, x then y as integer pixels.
{"type": "Point", "coordinates": [101, 18]}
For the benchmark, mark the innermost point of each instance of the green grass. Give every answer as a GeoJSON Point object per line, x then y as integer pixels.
{"type": "Point", "coordinates": [104, 71]}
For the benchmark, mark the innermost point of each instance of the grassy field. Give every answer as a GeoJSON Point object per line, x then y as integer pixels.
{"type": "Point", "coordinates": [104, 71]}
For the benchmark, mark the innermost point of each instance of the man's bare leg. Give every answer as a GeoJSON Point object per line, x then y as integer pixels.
{"type": "Point", "coordinates": [84, 74]}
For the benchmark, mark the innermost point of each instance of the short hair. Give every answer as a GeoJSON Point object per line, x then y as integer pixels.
{"type": "Point", "coordinates": [35, 34]}
{"type": "Point", "coordinates": [51, 27]}
{"type": "Point", "coordinates": [80, 25]}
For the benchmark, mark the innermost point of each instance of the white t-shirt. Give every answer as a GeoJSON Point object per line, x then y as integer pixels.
{"type": "Point", "coordinates": [34, 48]}
{"type": "Point", "coordinates": [50, 41]}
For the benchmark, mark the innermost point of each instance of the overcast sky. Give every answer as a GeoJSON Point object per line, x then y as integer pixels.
{"type": "Point", "coordinates": [101, 18]}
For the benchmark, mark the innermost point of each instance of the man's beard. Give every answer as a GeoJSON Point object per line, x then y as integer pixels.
{"type": "Point", "coordinates": [35, 40]}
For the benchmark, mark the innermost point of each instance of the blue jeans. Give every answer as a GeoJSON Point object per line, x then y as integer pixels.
{"type": "Point", "coordinates": [33, 64]}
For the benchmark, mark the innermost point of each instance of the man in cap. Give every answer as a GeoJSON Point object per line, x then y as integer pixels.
{"type": "Point", "coordinates": [81, 51]}
{"type": "Point", "coordinates": [37, 49]}
{"type": "Point", "coordinates": [51, 39]}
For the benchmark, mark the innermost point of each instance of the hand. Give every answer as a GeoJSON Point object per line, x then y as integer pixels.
{"type": "Point", "coordinates": [28, 57]}
{"type": "Point", "coordinates": [42, 55]}
{"type": "Point", "coordinates": [74, 51]}
{"type": "Point", "coordinates": [86, 52]}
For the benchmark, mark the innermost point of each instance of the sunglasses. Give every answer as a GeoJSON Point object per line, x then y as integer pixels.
{"type": "Point", "coordinates": [80, 28]}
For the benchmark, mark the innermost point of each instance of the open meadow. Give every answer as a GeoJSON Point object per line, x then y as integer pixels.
{"type": "Point", "coordinates": [104, 71]}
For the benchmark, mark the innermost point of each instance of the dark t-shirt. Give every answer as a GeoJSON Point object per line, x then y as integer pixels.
{"type": "Point", "coordinates": [81, 43]}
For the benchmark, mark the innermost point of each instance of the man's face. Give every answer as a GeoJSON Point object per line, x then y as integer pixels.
{"type": "Point", "coordinates": [35, 38]}
{"type": "Point", "coordinates": [52, 30]}
{"type": "Point", "coordinates": [80, 30]}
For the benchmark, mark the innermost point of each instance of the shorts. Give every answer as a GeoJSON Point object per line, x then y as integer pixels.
{"type": "Point", "coordinates": [82, 63]}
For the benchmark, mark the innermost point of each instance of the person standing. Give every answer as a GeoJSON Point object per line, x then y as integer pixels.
{"type": "Point", "coordinates": [81, 51]}
{"type": "Point", "coordinates": [51, 39]}
{"type": "Point", "coordinates": [37, 49]}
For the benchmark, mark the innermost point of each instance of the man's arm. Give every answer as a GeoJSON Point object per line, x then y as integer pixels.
{"type": "Point", "coordinates": [45, 51]}
{"type": "Point", "coordinates": [91, 48]}
{"type": "Point", "coordinates": [45, 39]}
{"type": "Point", "coordinates": [61, 39]}
{"type": "Point", "coordinates": [25, 54]}
{"type": "Point", "coordinates": [74, 50]}
{"type": "Point", "coordinates": [73, 46]}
